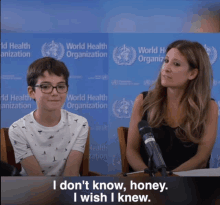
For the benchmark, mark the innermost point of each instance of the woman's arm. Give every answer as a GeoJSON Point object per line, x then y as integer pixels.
{"type": "Point", "coordinates": [206, 145]}
{"type": "Point", "coordinates": [134, 140]}
{"type": "Point", "coordinates": [31, 166]}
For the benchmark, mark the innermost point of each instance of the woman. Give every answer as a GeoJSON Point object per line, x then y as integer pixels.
{"type": "Point", "coordinates": [180, 110]}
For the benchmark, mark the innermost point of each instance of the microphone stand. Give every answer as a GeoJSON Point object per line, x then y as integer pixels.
{"type": "Point", "coordinates": [150, 170]}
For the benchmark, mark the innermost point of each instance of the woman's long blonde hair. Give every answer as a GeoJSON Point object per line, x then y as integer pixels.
{"type": "Point", "coordinates": [195, 99]}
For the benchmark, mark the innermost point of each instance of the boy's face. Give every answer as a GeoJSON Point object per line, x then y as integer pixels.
{"type": "Point", "coordinates": [48, 101]}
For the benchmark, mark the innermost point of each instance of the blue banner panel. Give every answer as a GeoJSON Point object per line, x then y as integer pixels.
{"type": "Point", "coordinates": [86, 57]}
{"type": "Point", "coordinates": [107, 72]}
{"type": "Point", "coordinates": [134, 63]}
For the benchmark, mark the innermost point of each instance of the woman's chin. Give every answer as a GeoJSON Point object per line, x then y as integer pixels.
{"type": "Point", "coordinates": [165, 84]}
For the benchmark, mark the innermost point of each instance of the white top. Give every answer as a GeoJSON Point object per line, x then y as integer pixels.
{"type": "Point", "coordinates": [50, 145]}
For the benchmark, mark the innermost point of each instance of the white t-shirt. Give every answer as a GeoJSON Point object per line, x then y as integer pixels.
{"type": "Point", "coordinates": [51, 146]}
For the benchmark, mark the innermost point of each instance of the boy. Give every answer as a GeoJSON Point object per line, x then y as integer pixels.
{"type": "Point", "coordinates": [49, 141]}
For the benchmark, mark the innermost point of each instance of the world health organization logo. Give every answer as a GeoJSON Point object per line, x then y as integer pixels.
{"type": "Point", "coordinates": [124, 55]}
{"type": "Point", "coordinates": [53, 49]}
{"type": "Point", "coordinates": [122, 108]}
{"type": "Point", "coordinates": [212, 53]}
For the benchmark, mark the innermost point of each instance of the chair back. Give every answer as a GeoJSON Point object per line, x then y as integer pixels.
{"type": "Point", "coordinates": [7, 153]}
{"type": "Point", "coordinates": [123, 136]}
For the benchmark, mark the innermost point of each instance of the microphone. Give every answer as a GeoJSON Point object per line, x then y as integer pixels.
{"type": "Point", "coordinates": [152, 148]}
{"type": "Point", "coordinates": [8, 170]}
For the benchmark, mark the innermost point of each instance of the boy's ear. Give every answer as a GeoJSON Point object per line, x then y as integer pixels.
{"type": "Point", "coordinates": [31, 92]}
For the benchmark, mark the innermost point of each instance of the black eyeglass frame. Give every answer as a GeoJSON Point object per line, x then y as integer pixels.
{"type": "Point", "coordinates": [40, 86]}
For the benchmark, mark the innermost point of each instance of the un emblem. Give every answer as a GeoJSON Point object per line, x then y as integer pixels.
{"type": "Point", "coordinates": [122, 108]}
{"type": "Point", "coordinates": [212, 53]}
{"type": "Point", "coordinates": [116, 160]}
{"type": "Point", "coordinates": [124, 55]}
{"type": "Point", "coordinates": [53, 49]}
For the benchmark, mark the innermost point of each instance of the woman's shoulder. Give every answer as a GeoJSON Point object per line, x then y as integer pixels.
{"type": "Point", "coordinates": [138, 103]}
{"type": "Point", "coordinates": [213, 104]}
{"type": "Point", "coordinates": [139, 99]}
{"type": "Point", "coordinates": [144, 93]}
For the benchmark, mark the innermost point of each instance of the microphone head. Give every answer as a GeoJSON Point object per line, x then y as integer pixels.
{"type": "Point", "coordinates": [143, 127]}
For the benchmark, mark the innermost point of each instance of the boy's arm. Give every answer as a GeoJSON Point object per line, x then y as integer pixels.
{"type": "Point", "coordinates": [73, 163]}
{"type": "Point", "coordinates": [31, 166]}
{"type": "Point", "coordinates": [23, 152]}
{"type": "Point", "coordinates": [76, 155]}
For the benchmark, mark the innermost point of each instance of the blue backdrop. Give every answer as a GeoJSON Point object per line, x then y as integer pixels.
{"type": "Point", "coordinates": [134, 64]}
{"type": "Point", "coordinates": [113, 50]}
{"type": "Point", "coordinates": [107, 72]}
{"type": "Point", "coordinates": [86, 56]}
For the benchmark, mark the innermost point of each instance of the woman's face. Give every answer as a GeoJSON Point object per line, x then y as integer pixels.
{"type": "Point", "coordinates": [175, 70]}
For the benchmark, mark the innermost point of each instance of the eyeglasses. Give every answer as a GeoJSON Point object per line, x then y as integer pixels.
{"type": "Point", "coordinates": [47, 88]}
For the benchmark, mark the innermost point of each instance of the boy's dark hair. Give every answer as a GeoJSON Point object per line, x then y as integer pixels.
{"type": "Point", "coordinates": [38, 67]}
